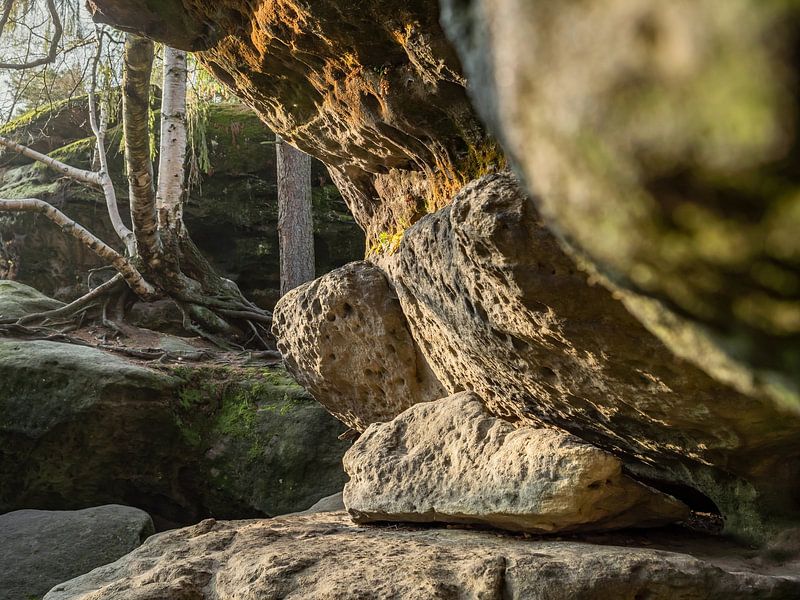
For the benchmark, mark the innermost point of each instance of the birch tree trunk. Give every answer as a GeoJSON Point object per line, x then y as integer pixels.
{"type": "Point", "coordinates": [136, 124]}
{"type": "Point", "coordinates": [165, 263]}
{"type": "Point", "coordinates": [295, 222]}
{"type": "Point", "coordinates": [172, 153]}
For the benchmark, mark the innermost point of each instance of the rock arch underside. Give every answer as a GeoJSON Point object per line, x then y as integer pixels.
{"type": "Point", "coordinates": [618, 259]}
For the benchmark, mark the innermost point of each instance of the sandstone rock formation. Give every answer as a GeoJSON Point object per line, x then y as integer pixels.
{"type": "Point", "coordinates": [39, 549]}
{"type": "Point", "coordinates": [497, 307]}
{"type": "Point", "coordinates": [664, 147]}
{"type": "Point", "coordinates": [326, 556]}
{"type": "Point", "coordinates": [346, 340]}
{"type": "Point", "coordinates": [82, 427]}
{"type": "Point", "coordinates": [449, 461]}
{"type": "Point", "coordinates": [661, 141]}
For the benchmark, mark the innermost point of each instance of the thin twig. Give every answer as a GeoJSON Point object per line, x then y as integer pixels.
{"type": "Point", "coordinates": [58, 30]}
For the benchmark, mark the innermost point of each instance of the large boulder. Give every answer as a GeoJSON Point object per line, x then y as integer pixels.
{"type": "Point", "coordinates": [39, 549]}
{"type": "Point", "coordinates": [450, 461]}
{"type": "Point", "coordinates": [664, 147]}
{"type": "Point", "coordinates": [660, 140]}
{"type": "Point", "coordinates": [326, 556]}
{"type": "Point", "coordinates": [497, 307]}
{"type": "Point", "coordinates": [322, 327]}
{"type": "Point", "coordinates": [82, 427]}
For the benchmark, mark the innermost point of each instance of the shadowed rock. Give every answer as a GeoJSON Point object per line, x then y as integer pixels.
{"type": "Point", "coordinates": [497, 307]}
{"type": "Point", "coordinates": [661, 141]}
{"type": "Point", "coordinates": [40, 548]}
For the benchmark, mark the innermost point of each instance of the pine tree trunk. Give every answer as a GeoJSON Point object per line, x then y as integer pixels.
{"type": "Point", "coordinates": [295, 224]}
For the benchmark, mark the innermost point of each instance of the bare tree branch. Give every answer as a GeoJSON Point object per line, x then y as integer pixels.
{"type": "Point", "coordinates": [58, 31]}
{"type": "Point", "coordinates": [81, 175]}
{"type": "Point", "coordinates": [128, 271]}
{"type": "Point", "coordinates": [99, 130]}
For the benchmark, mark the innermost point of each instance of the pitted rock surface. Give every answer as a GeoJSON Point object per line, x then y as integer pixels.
{"type": "Point", "coordinates": [654, 136]}
{"type": "Point", "coordinates": [324, 556]}
{"type": "Point", "coordinates": [346, 340]}
{"type": "Point", "coordinates": [497, 307]}
{"type": "Point", "coordinates": [450, 461]}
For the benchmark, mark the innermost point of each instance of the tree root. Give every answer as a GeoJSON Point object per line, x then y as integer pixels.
{"type": "Point", "coordinates": [76, 307]}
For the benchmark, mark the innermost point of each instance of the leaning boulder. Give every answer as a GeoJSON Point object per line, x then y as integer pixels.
{"type": "Point", "coordinates": [321, 329]}
{"type": "Point", "coordinates": [39, 548]}
{"type": "Point", "coordinates": [327, 556]}
{"type": "Point", "coordinates": [499, 308]}
{"type": "Point", "coordinates": [450, 461]}
{"type": "Point", "coordinates": [658, 147]}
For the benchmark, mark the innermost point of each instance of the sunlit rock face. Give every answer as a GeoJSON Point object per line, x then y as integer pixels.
{"type": "Point", "coordinates": [661, 139]}
{"type": "Point", "coordinates": [327, 556]}
{"type": "Point", "coordinates": [373, 89]}
{"type": "Point", "coordinates": [450, 461]}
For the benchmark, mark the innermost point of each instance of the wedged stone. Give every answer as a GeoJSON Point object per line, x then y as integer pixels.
{"type": "Point", "coordinates": [345, 339]}
{"type": "Point", "coordinates": [497, 307]}
{"type": "Point", "coordinates": [450, 461]}
{"type": "Point", "coordinates": [325, 556]}
{"type": "Point", "coordinates": [39, 548]}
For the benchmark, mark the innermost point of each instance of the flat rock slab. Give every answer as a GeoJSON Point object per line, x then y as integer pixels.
{"type": "Point", "coordinates": [40, 548]}
{"type": "Point", "coordinates": [451, 461]}
{"type": "Point", "coordinates": [326, 556]}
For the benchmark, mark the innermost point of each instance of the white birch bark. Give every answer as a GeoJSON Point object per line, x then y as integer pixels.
{"type": "Point", "coordinates": [172, 154]}
{"type": "Point", "coordinates": [99, 129]}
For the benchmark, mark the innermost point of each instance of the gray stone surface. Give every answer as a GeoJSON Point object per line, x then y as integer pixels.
{"type": "Point", "coordinates": [324, 556]}
{"type": "Point", "coordinates": [39, 549]}
{"type": "Point", "coordinates": [18, 299]}
{"type": "Point", "coordinates": [450, 461]}
{"type": "Point", "coordinates": [83, 427]}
